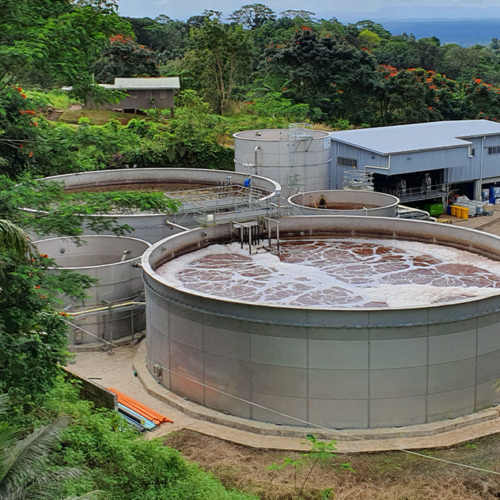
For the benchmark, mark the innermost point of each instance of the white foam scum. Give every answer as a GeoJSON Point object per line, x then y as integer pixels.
{"type": "Point", "coordinates": [336, 273]}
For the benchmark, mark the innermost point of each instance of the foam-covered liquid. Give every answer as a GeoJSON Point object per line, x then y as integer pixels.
{"type": "Point", "coordinates": [337, 273]}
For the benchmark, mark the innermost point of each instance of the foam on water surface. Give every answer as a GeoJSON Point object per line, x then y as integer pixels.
{"type": "Point", "coordinates": [337, 273]}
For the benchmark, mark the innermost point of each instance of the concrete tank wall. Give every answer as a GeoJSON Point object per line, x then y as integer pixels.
{"type": "Point", "coordinates": [155, 227]}
{"type": "Point", "coordinates": [357, 368]}
{"type": "Point", "coordinates": [100, 258]}
{"type": "Point", "coordinates": [279, 156]}
{"type": "Point", "coordinates": [386, 205]}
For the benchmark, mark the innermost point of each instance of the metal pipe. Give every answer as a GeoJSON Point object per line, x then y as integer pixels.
{"type": "Point", "coordinates": [79, 313]}
{"type": "Point", "coordinates": [91, 334]}
{"type": "Point", "coordinates": [125, 253]}
{"type": "Point", "coordinates": [481, 171]}
{"type": "Point", "coordinates": [381, 168]}
{"type": "Point", "coordinates": [256, 164]}
{"type": "Point", "coordinates": [177, 226]}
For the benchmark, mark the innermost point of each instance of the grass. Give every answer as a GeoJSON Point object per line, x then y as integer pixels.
{"type": "Point", "coordinates": [55, 98]}
{"type": "Point", "coordinates": [379, 476]}
{"type": "Point", "coordinates": [238, 120]}
{"type": "Point", "coordinates": [97, 116]}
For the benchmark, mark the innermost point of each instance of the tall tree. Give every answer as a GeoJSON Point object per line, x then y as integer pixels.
{"type": "Point", "coordinates": [221, 56]}
{"type": "Point", "coordinates": [327, 74]}
{"type": "Point", "coordinates": [125, 58]}
{"type": "Point", "coordinates": [252, 16]}
{"type": "Point", "coordinates": [54, 41]}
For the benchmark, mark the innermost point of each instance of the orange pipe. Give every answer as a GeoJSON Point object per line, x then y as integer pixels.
{"type": "Point", "coordinates": [143, 410]}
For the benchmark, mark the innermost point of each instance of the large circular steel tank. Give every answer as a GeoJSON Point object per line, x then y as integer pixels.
{"type": "Point", "coordinates": [297, 159]}
{"type": "Point", "coordinates": [115, 262]}
{"type": "Point", "coordinates": [341, 202]}
{"type": "Point", "coordinates": [348, 368]}
{"type": "Point", "coordinates": [154, 227]}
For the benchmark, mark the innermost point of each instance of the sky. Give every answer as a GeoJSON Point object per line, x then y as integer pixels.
{"type": "Point", "coordinates": [377, 10]}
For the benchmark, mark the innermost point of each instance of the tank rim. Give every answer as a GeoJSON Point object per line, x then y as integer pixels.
{"type": "Point", "coordinates": [238, 135]}
{"type": "Point", "coordinates": [60, 178]}
{"type": "Point", "coordinates": [85, 236]}
{"type": "Point", "coordinates": [331, 211]}
{"type": "Point", "coordinates": [150, 272]}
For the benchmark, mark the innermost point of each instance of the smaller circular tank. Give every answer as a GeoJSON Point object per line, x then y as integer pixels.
{"type": "Point", "coordinates": [341, 202]}
{"type": "Point", "coordinates": [298, 158]}
{"type": "Point", "coordinates": [115, 262]}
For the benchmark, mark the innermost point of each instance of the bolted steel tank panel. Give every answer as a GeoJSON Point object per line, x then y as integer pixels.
{"type": "Point", "coordinates": [350, 368]}
{"type": "Point", "coordinates": [276, 154]}
{"type": "Point", "coordinates": [111, 327]}
{"type": "Point", "coordinates": [101, 257]}
{"type": "Point", "coordinates": [365, 203]}
{"type": "Point", "coordinates": [155, 227]}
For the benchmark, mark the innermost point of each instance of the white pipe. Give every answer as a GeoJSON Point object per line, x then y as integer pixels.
{"type": "Point", "coordinates": [106, 308]}
{"type": "Point", "coordinates": [256, 164]}
{"type": "Point", "coordinates": [381, 168]}
{"type": "Point", "coordinates": [481, 168]}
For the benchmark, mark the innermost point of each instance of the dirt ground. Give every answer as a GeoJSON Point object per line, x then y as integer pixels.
{"type": "Point", "coordinates": [378, 476]}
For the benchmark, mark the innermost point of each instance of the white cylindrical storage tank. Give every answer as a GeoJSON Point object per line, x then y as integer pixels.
{"type": "Point", "coordinates": [341, 202]}
{"type": "Point", "coordinates": [153, 227]}
{"type": "Point", "coordinates": [296, 158]}
{"type": "Point", "coordinates": [115, 262]}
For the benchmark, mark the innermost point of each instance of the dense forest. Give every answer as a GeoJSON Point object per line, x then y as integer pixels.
{"type": "Point", "coordinates": [332, 68]}
{"type": "Point", "coordinates": [254, 69]}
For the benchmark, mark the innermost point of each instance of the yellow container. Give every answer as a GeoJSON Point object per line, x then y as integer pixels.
{"type": "Point", "coordinates": [465, 213]}
{"type": "Point", "coordinates": [454, 210]}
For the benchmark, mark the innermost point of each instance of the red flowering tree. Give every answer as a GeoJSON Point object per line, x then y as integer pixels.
{"type": "Point", "coordinates": [18, 128]}
{"type": "Point", "coordinates": [414, 95]}
{"type": "Point", "coordinates": [481, 100]}
{"type": "Point", "coordinates": [125, 58]}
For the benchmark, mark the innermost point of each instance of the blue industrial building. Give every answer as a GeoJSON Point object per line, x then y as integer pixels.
{"type": "Point", "coordinates": [423, 161]}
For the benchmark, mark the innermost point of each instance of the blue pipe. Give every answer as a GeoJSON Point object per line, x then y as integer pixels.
{"type": "Point", "coordinates": [143, 421]}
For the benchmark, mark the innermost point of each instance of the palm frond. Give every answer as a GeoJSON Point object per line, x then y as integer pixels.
{"type": "Point", "coordinates": [49, 484]}
{"type": "Point", "coordinates": [24, 461]}
{"type": "Point", "coordinates": [88, 496]}
{"type": "Point", "coordinates": [14, 238]}
{"type": "Point", "coordinates": [6, 432]}
{"type": "Point", "coordinates": [4, 403]}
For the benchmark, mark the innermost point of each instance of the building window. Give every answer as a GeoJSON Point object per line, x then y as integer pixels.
{"type": "Point", "coordinates": [495, 150]}
{"type": "Point", "coordinates": [473, 152]}
{"type": "Point", "coordinates": [163, 94]}
{"type": "Point", "coordinates": [347, 162]}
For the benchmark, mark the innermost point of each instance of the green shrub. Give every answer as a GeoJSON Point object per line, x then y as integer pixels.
{"type": "Point", "coordinates": [116, 460]}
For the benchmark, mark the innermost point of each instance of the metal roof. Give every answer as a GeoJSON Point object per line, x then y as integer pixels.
{"type": "Point", "coordinates": [144, 83]}
{"type": "Point", "coordinates": [417, 137]}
